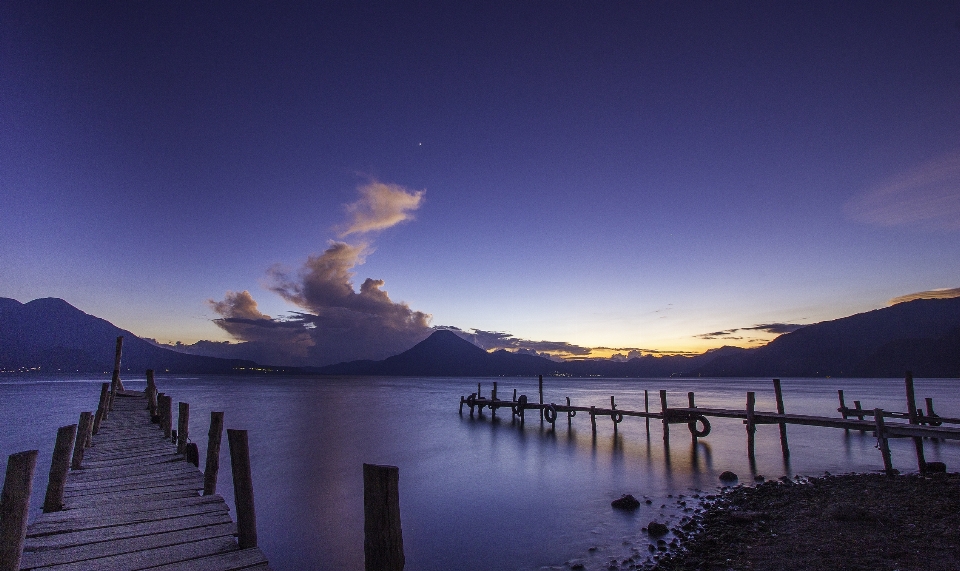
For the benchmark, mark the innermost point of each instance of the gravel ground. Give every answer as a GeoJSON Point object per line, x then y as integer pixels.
{"type": "Point", "coordinates": [850, 522]}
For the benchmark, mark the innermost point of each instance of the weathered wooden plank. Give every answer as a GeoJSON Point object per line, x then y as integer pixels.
{"type": "Point", "coordinates": [121, 492]}
{"type": "Point", "coordinates": [35, 543]}
{"type": "Point", "coordinates": [176, 474]}
{"type": "Point", "coordinates": [149, 459]}
{"type": "Point", "coordinates": [133, 469]}
{"type": "Point", "coordinates": [133, 506]}
{"type": "Point", "coordinates": [172, 554]}
{"type": "Point", "coordinates": [106, 517]}
{"type": "Point", "coordinates": [34, 559]}
{"type": "Point", "coordinates": [231, 561]}
{"type": "Point", "coordinates": [133, 496]}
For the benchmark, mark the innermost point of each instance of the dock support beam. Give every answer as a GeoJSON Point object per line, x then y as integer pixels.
{"type": "Point", "coordinates": [912, 411]}
{"type": "Point", "coordinates": [751, 425]}
{"type": "Point", "coordinates": [15, 507]}
{"type": "Point", "coordinates": [882, 442]}
{"type": "Point", "coordinates": [778, 391]}
{"type": "Point", "coordinates": [540, 384]}
{"type": "Point", "coordinates": [242, 488]}
{"type": "Point", "coordinates": [83, 435]}
{"type": "Point", "coordinates": [59, 465]}
{"type": "Point", "coordinates": [212, 467]}
{"type": "Point", "coordinates": [183, 426]}
{"type": "Point", "coordinates": [382, 534]}
{"type": "Point", "coordinates": [101, 407]}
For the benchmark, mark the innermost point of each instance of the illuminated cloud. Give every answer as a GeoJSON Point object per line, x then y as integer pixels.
{"type": "Point", "coordinates": [381, 206]}
{"type": "Point", "coordinates": [338, 323]}
{"type": "Point", "coordinates": [943, 293]}
{"type": "Point", "coordinates": [730, 334]}
{"type": "Point", "coordinates": [493, 340]}
{"type": "Point", "coordinates": [928, 195]}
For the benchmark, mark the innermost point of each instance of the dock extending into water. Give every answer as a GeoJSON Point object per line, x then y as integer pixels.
{"type": "Point", "coordinates": [920, 424]}
{"type": "Point", "coordinates": [125, 492]}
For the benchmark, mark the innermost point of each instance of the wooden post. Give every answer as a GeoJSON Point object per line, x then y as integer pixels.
{"type": "Point", "coordinates": [912, 410]}
{"type": "Point", "coordinates": [214, 437]}
{"type": "Point", "coordinates": [858, 407]}
{"type": "Point", "coordinates": [151, 393]}
{"type": "Point", "coordinates": [778, 391]}
{"type": "Point", "coordinates": [691, 403]}
{"type": "Point", "coordinates": [83, 433]}
{"type": "Point", "coordinates": [663, 411]}
{"type": "Point", "coordinates": [593, 419]}
{"type": "Point", "coordinates": [613, 406]}
{"type": "Point", "coordinates": [569, 415]}
{"type": "Point", "coordinates": [166, 415]}
{"type": "Point", "coordinates": [646, 409]}
{"type": "Point", "coordinates": [242, 488]}
{"type": "Point", "coordinates": [843, 406]}
{"type": "Point", "coordinates": [102, 407]}
{"type": "Point", "coordinates": [59, 465]}
{"type": "Point", "coordinates": [117, 383]}
{"type": "Point", "coordinates": [183, 426]}
{"type": "Point", "coordinates": [540, 383]}
{"type": "Point", "coordinates": [493, 397]}
{"type": "Point", "coordinates": [382, 534]}
{"type": "Point", "coordinates": [882, 441]}
{"type": "Point", "coordinates": [751, 427]}
{"type": "Point", "coordinates": [15, 507]}
{"type": "Point", "coordinates": [478, 390]}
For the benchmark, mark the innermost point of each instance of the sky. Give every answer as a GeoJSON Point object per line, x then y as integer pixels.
{"type": "Point", "coordinates": [329, 181]}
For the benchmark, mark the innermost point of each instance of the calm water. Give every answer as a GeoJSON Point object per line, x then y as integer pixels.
{"type": "Point", "coordinates": [478, 493]}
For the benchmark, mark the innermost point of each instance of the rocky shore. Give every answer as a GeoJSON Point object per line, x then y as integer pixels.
{"type": "Point", "coordinates": [849, 522]}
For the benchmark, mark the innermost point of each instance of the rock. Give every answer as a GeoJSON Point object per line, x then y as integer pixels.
{"type": "Point", "coordinates": [728, 476]}
{"type": "Point", "coordinates": [759, 478]}
{"type": "Point", "coordinates": [936, 468]}
{"type": "Point", "coordinates": [657, 529]}
{"type": "Point", "coordinates": [626, 502]}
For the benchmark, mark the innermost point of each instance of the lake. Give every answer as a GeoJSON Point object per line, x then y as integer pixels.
{"type": "Point", "coordinates": [478, 493]}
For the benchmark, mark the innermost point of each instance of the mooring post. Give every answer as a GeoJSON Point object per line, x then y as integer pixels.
{"type": "Point", "coordinates": [843, 407]}
{"type": "Point", "coordinates": [593, 419]}
{"type": "Point", "coordinates": [101, 407]}
{"type": "Point", "coordinates": [242, 488]}
{"type": "Point", "coordinates": [214, 436]}
{"type": "Point", "coordinates": [15, 507]}
{"type": "Point", "coordinates": [859, 408]}
{"type": "Point", "coordinates": [613, 417]}
{"type": "Point", "coordinates": [59, 465]}
{"type": "Point", "coordinates": [663, 411]}
{"type": "Point", "coordinates": [461, 405]}
{"type": "Point", "coordinates": [778, 391]}
{"type": "Point", "coordinates": [646, 409]}
{"type": "Point", "coordinates": [83, 430]}
{"type": "Point", "coordinates": [692, 404]}
{"type": "Point", "coordinates": [882, 441]}
{"type": "Point", "coordinates": [540, 383]}
{"type": "Point", "coordinates": [166, 415]}
{"type": "Point", "coordinates": [478, 390]}
{"type": "Point", "coordinates": [493, 397]}
{"type": "Point", "coordinates": [382, 533]}
{"type": "Point", "coordinates": [183, 426]}
{"type": "Point", "coordinates": [513, 409]}
{"type": "Point", "coordinates": [751, 427]}
{"type": "Point", "coordinates": [912, 410]}
{"type": "Point", "coordinates": [570, 414]}
{"type": "Point", "coordinates": [151, 393]}
{"type": "Point", "coordinates": [117, 383]}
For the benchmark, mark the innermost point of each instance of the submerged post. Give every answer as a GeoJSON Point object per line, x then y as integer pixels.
{"type": "Point", "coordinates": [843, 406]}
{"type": "Point", "coordinates": [593, 419]}
{"type": "Point", "coordinates": [692, 404]}
{"type": "Point", "coordinates": [570, 414]}
{"type": "Point", "coordinates": [493, 397]}
{"type": "Point", "coordinates": [646, 409]}
{"type": "Point", "coordinates": [15, 507]}
{"type": "Point", "coordinates": [778, 391]}
{"type": "Point", "coordinates": [751, 427]}
{"type": "Point", "coordinates": [83, 432]}
{"type": "Point", "coordinates": [242, 488]}
{"type": "Point", "coordinates": [183, 426]}
{"type": "Point", "coordinates": [663, 411]}
{"type": "Point", "coordinates": [59, 465]}
{"type": "Point", "coordinates": [912, 410]}
{"type": "Point", "coordinates": [214, 437]}
{"type": "Point", "coordinates": [540, 383]}
{"type": "Point", "coordinates": [382, 534]}
{"type": "Point", "coordinates": [882, 441]}
{"type": "Point", "coordinates": [102, 407]}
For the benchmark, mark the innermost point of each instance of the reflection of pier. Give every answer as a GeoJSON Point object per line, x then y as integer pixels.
{"type": "Point", "coordinates": [921, 424]}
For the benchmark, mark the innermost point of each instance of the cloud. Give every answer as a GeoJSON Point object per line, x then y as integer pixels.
{"type": "Point", "coordinates": [928, 195]}
{"type": "Point", "coordinates": [381, 206]}
{"type": "Point", "coordinates": [942, 293]}
{"type": "Point", "coordinates": [730, 334]}
{"type": "Point", "coordinates": [493, 340]}
{"type": "Point", "coordinates": [337, 323]}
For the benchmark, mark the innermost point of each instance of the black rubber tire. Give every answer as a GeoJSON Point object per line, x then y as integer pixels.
{"type": "Point", "coordinates": [550, 413]}
{"type": "Point", "coordinates": [692, 425]}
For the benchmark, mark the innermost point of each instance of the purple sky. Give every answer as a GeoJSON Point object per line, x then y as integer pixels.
{"type": "Point", "coordinates": [630, 175]}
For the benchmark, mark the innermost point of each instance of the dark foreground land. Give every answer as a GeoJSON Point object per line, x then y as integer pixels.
{"type": "Point", "coordinates": [849, 522]}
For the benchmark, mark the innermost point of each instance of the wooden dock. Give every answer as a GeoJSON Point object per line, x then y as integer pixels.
{"type": "Point", "coordinates": [134, 502]}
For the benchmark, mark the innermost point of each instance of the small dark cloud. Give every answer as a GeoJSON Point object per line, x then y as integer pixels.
{"type": "Point", "coordinates": [775, 328]}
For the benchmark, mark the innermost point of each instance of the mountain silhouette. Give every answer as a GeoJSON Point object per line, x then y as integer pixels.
{"type": "Point", "coordinates": [50, 335]}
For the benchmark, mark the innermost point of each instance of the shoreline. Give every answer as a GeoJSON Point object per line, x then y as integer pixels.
{"type": "Point", "coordinates": [849, 522]}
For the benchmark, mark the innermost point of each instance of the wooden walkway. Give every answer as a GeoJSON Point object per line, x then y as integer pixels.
{"type": "Point", "coordinates": [136, 504]}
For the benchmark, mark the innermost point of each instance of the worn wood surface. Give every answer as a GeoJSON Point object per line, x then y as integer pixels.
{"type": "Point", "coordinates": [136, 504]}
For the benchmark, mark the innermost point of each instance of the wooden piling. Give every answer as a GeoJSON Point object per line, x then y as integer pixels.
{"type": "Point", "coordinates": [183, 426]}
{"type": "Point", "coordinates": [102, 407]}
{"type": "Point", "coordinates": [751, 426]}
{"type": "Point", "coordinates": [214, 437]}
{"type": "Point", "coordinates": [151, 392]}
{"type": "Point", "coordinates": [663, 410]}
{"type": "Point", "coordinates": [15, 508]}
{"type": "Point", "coordinates": [166, 415]}
{"type": "Point", "coordinates": [593, 419]}
{"type": "Point", "coordinates": [59, 465]}
{"type": "Point", "coordinates": [882, 442]}
{"type": "Point", "coordinates": [843, 406]}
{"type": "Point", "coordinates": [613, 417]}
{"type": "Point", "coordinates": [912, 411]}
{"type": "Point", "coordinates": [493, 396]}
{"type": "Point", "coordinates": [242, 488]}
{"type": "Point", "coordinates": [692, 404]}
{"type": "Point", "coordinates": [540, 385]}
{"type": "Point", "coordinates": [646, 409]}
{"type": "Point", "coordinates": [83, 433]}
{"type": "Point", "coordinates": [570, 414]}
{"type": "Point", "coordinates": [778, 391]}
{"type": "Point", "coordinates": [382, 533]}
{"type": "Point", "coordinates": [116, 382]}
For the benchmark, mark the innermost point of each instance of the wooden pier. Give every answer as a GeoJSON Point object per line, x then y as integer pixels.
{"type": "Point", "coordinates": [920, 424]}
{"type": "Point", "coordinates": [125, 493]}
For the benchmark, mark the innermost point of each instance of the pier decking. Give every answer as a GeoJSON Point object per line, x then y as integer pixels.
{"type": "Point", "coordinates": [135, 503]}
